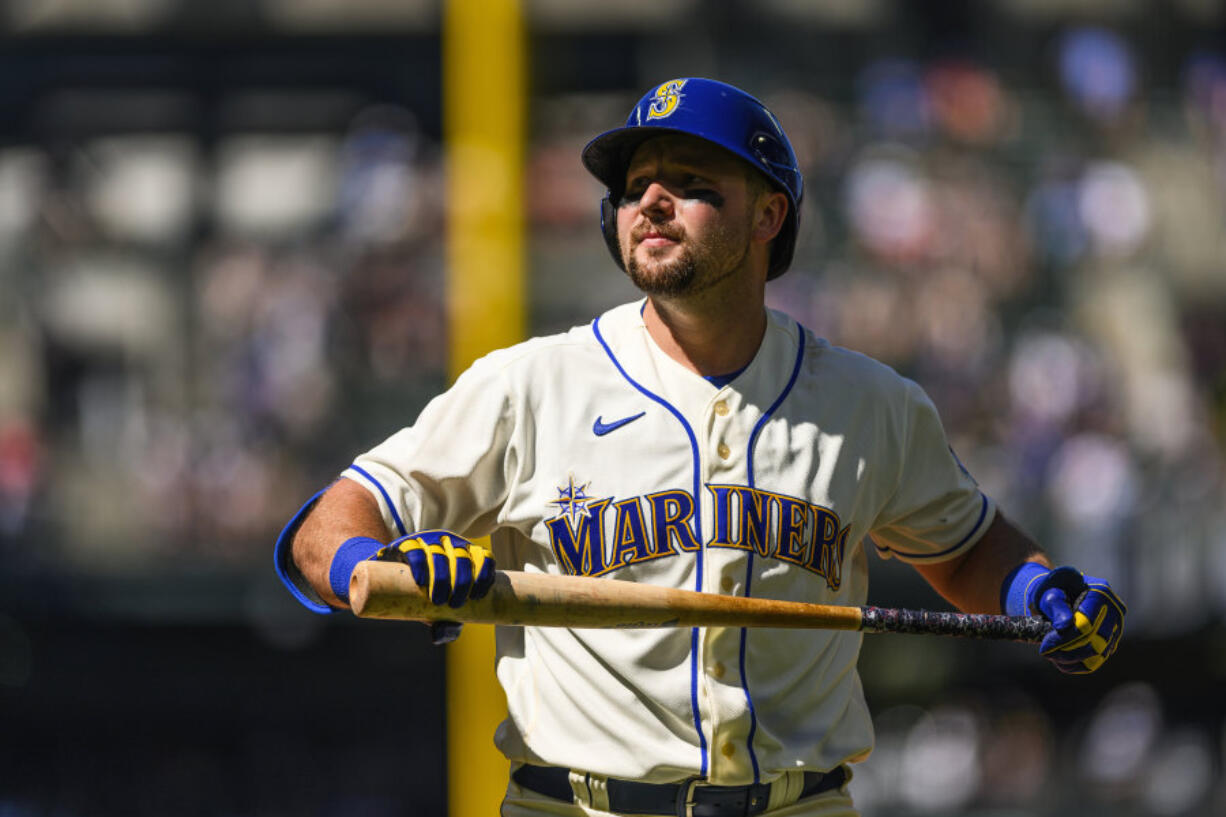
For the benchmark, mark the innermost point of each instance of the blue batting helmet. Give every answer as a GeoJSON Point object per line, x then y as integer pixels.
{"type": "Point", "coordinates": [720, 114]}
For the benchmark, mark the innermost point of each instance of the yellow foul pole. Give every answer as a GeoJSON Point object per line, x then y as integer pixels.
{"type": "Point", "coordinates": [484, 101]}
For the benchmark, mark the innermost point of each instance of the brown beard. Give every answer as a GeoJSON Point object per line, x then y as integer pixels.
{"type": "Point", "coordinates": [668, 278]}
{"type": "Point", "coordinates": [686, 273]}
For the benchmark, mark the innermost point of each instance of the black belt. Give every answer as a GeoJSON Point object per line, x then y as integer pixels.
{"type": "Point", "coordinates": [631, 797]}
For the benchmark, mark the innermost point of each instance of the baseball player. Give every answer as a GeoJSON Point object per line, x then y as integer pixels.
{"type": "Point", "coordinates": [692, 439]}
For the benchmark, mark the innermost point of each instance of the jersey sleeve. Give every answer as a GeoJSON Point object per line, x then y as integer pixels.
{"type": "Point", "coordinates": [450, 468]}
{"type": "Point", "coordinates": [936, 510]}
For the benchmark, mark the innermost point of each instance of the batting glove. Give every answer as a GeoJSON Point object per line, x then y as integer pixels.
{"type": "Point", "coordinates": [448, 567]}
{"type": "Point", "coordinates": [1087, 617]}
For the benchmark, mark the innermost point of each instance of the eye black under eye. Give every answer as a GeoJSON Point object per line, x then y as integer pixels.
{"type": "Point", "coordinates": [696, 193]}
{"type": "Point", "coordinates": [705, 195]}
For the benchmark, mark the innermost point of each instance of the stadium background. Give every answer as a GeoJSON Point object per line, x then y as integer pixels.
{"type": "Point", "coordinates": [223, 272]}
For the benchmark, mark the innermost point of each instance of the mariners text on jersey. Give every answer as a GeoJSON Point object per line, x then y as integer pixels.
{"type": "Point", "coordinates": [593, 537]}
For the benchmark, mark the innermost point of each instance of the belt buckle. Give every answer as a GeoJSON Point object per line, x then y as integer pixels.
{"type": "Point", "coordinates": [685, 797]}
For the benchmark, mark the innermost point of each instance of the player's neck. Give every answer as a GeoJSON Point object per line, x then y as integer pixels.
{"type": "Point", "coordinates": [710, 338]}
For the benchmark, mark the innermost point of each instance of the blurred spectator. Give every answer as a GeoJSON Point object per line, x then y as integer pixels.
{"type": "Point", "coordinates": [892, 99]}
{"type": "Point", "coordinates": [389, 191]}
{"type": "Point", "coordinates": [1120, 740]}
{"type": "Point", "coordinates": [1098, 72]}
{"type": "Point", "coordinates": [1183, 774]}
{"type": "Point", "coordinates": [940, 770]}
{"type": "Point", "coordinates": [890, 204]}
{"type": "Point", "coordinates": [968, 102]}
{"type": "Point", "coordinates": [21, 469]}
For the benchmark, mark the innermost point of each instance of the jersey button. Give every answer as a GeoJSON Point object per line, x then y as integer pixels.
{"type": "Point", "coordinates": [721, 408]}
{"type": "Point", "coordinates": [718, 669]}
{"type": "Point", "coordinates": [726, 584]}
{"type": "Point", "coordinates": [724, 451]}
{"type": "Point", "coordinates": [728, 749]}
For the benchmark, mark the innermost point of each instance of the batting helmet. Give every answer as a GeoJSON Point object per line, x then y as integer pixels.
{"type": "Point", "coordinates": [720, 114]}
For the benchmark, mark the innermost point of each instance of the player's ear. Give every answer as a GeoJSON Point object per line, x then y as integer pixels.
{"type": "Point", "coordinates": [769, 213]}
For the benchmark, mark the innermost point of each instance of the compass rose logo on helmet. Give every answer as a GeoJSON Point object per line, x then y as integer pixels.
{"type": "Point", "coordinates": [666, 99]}
{"type": "Point", "coordinates": [719, 113]}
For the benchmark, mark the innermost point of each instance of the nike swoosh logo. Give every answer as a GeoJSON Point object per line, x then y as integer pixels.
{"type": "Point", "coordinates": [600, 429]}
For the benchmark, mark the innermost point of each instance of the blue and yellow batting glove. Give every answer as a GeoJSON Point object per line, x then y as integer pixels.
{"type": "Point", "coordinates": [451, 569]}
{"type": "Point", "coordinates": [1087, 617]}
{"type": "Point", "coordinates": [448, 567]}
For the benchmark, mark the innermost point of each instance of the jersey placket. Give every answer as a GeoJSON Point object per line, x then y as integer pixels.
{"type": "Point", "coordinates": [735, 752]}
{"type": "Point", "coordinates": [723, 462]}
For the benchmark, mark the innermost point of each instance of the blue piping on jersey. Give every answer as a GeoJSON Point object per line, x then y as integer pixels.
{"type": "Point", "coordinates": [282, 557]}
{"type": "Point", "coordinates": [983, 511]}
{"type": "Point", "coordinates": [281, 553]}
{"type": "Point", "coordinates": [702, 738]}
{"type": "Point", "coordinates": [383, 491]}
{"type": "Point", "coordinates": [753, 438]}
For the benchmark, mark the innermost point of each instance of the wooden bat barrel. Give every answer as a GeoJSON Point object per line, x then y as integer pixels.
{"type": "Point", "coordinates": [387, 590]}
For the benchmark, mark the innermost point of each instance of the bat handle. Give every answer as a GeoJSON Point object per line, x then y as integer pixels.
{"type": "Point", "coordinates": [967, 625]}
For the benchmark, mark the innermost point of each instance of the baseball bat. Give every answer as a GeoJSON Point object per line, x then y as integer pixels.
{"type": "Point", "coordinates": [387, 590]}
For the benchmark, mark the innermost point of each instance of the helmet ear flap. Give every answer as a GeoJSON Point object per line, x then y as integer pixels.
{"type": "Point", "coordinates": [608, 228]}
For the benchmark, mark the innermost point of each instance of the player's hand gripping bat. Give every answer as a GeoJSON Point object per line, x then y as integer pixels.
{"type": "Point", "coordinates": [387, 590]}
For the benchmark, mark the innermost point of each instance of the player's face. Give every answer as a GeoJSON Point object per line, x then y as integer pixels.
{"type": "Point", "coordinates": [684, 221]}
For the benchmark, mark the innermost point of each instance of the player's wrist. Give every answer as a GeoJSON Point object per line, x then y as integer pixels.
{"type": "Point", "coordinates": [353, 550]}
{"type": "Point", "coordinates": [1017, 590]}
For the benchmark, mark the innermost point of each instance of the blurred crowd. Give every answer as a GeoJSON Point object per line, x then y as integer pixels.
{"type": "Point", "coordinates": [195, 337]}
{"type": "Point", "coordinates": [1003, 754]}
{"type": "Point", "coordinates": [1052, 268]}
{"type": "Point", "coordinates": [198, 340]}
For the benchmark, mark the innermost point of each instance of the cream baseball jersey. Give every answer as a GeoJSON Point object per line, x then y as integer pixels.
{"type": "Point", "coordinates": [593, 453]}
